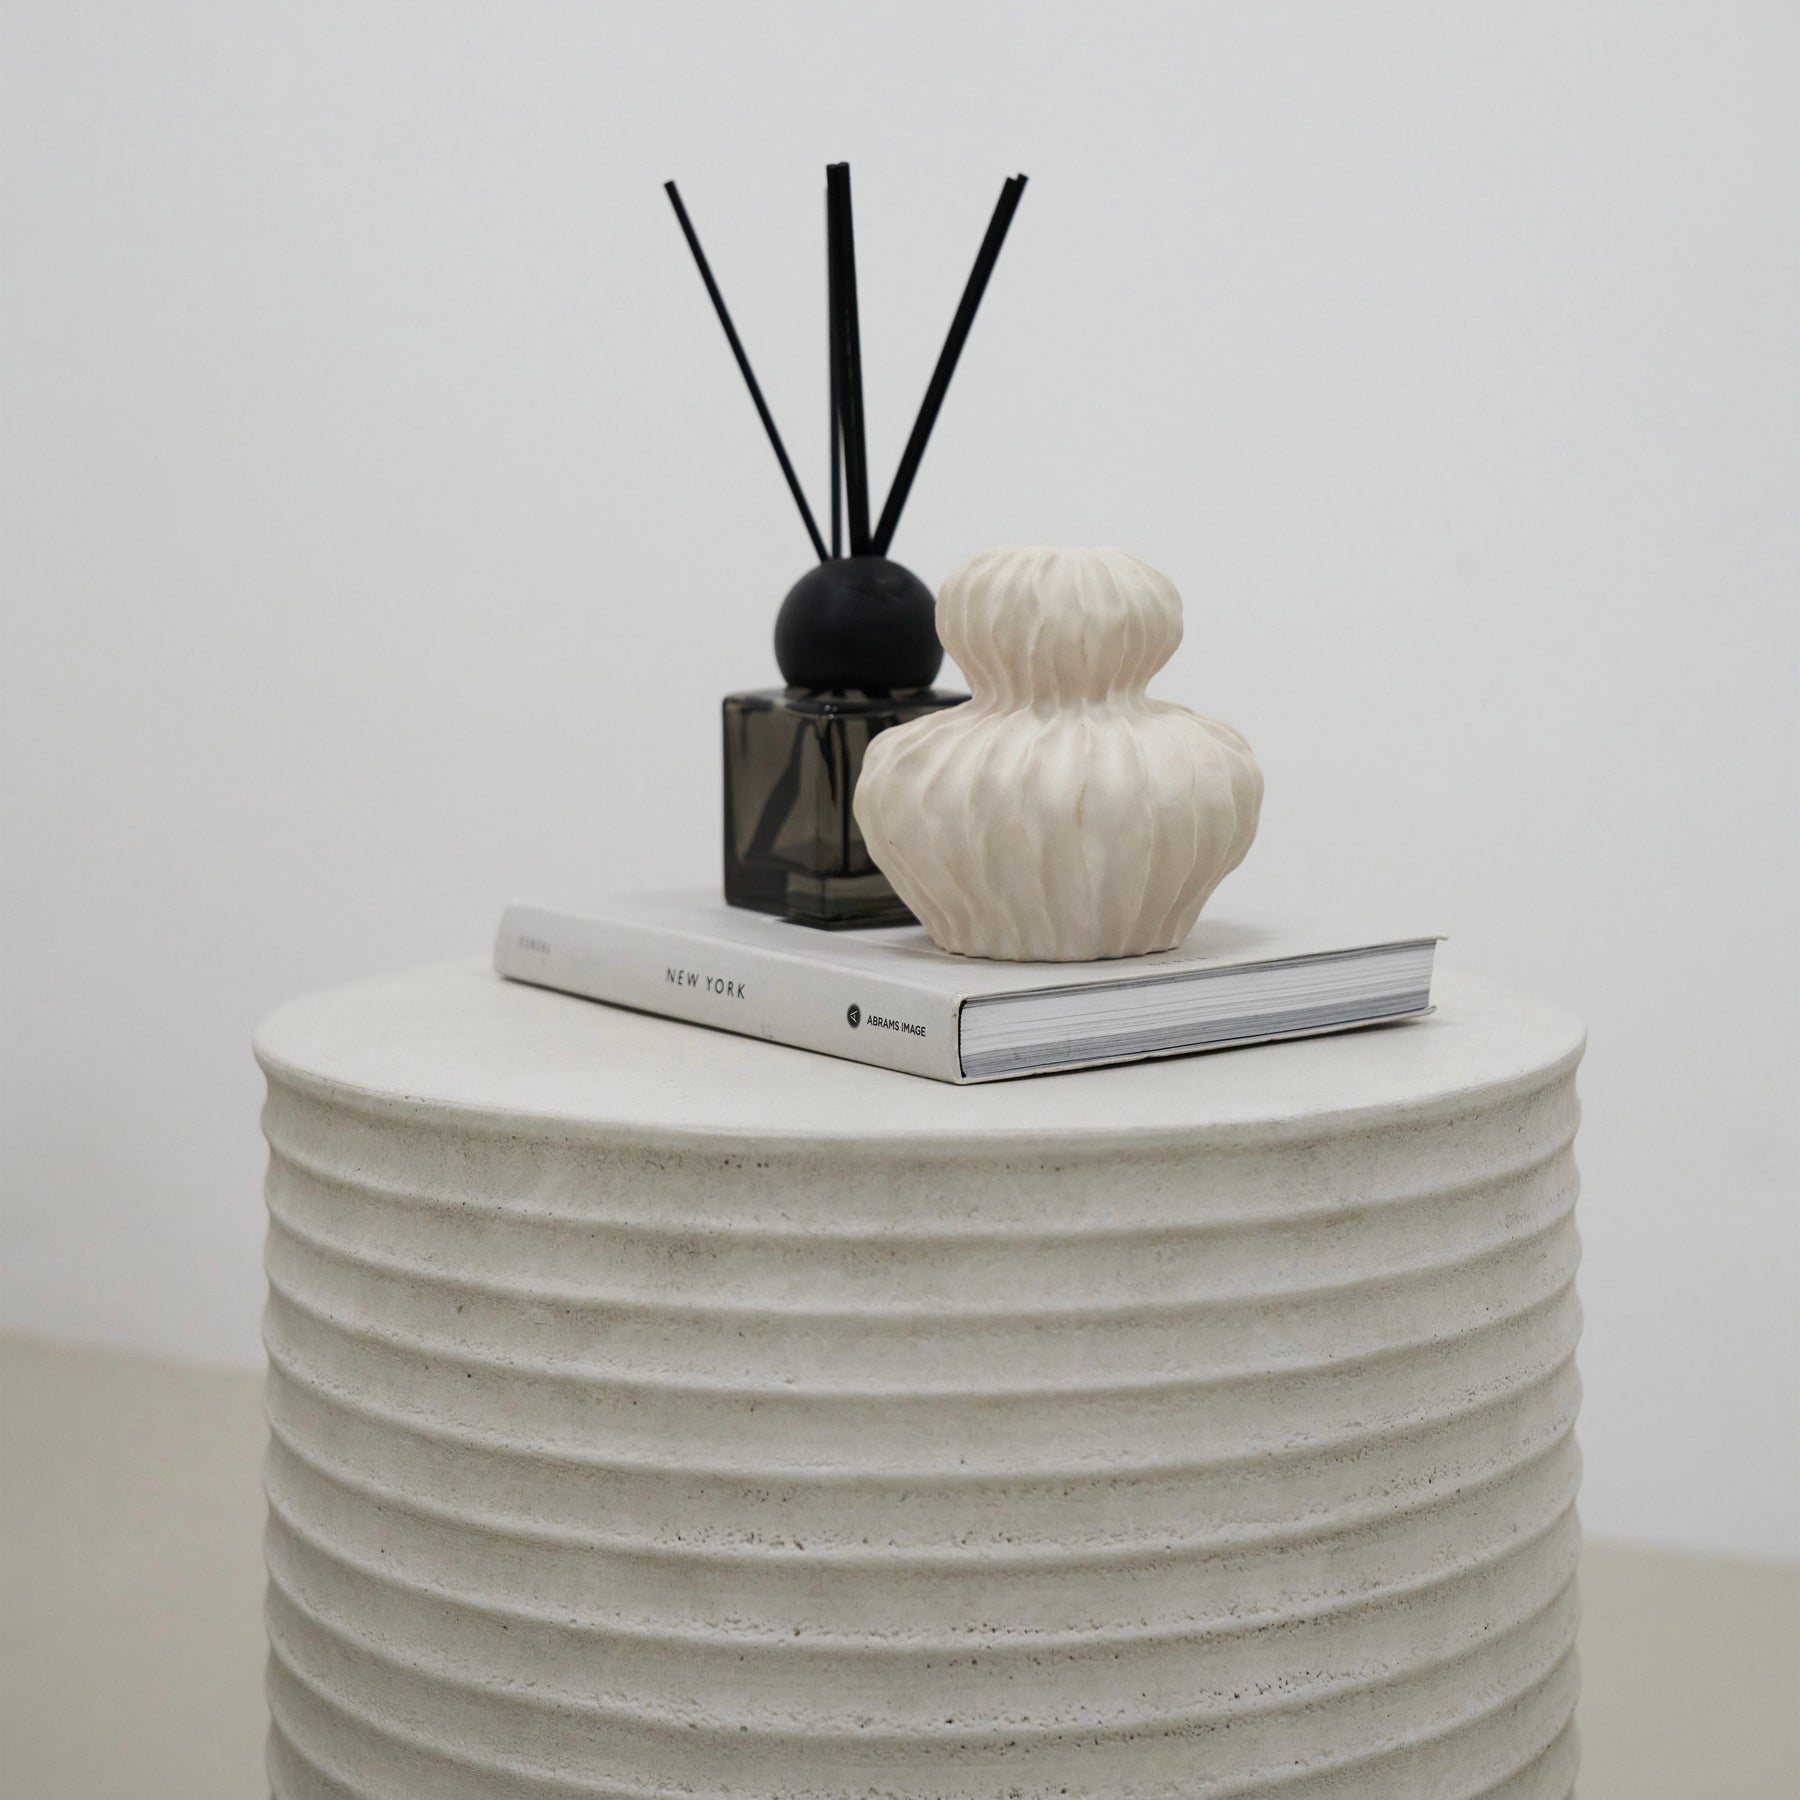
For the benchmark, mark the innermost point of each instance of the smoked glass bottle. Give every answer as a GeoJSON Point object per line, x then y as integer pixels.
{"type": "Point", "coordinates": [857, 643]}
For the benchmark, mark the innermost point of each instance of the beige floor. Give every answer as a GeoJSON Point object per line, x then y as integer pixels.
{"type": "Point", "coordinates": [131, 1641]}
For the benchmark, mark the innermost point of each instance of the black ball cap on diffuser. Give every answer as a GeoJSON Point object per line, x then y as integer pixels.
{"type": "Point", "coordinates": [862, 624]}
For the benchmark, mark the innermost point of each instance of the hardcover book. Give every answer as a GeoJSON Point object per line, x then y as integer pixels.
{"type": "Point", "coordinates": [889, 996]}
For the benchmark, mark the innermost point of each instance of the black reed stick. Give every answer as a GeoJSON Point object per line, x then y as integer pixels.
{"type": "Point", "coordinates": [850, 390]}
{"type": "Point", "coordinates": [831, 354]}
{"type": "Point", "coordinates": [929, 408]}
{"type": "Point", "coordinates": [743, 363]}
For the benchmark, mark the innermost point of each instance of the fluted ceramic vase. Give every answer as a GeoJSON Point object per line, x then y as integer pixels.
{"type": "Point", "coordinates": [1061, 815]}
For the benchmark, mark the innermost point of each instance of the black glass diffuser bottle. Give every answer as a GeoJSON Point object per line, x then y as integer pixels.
{"type": "Point", "coordinates": [857, 645]}
{"type": "Point", "coordinates": [856, 639]}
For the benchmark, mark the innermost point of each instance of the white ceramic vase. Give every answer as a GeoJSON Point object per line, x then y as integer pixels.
{"type": "Point", "coordinates": [1061, 815]}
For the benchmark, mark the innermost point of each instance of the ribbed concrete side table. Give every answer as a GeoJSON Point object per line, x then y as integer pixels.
{"type": "Point", "coordinates": [660, 1413]}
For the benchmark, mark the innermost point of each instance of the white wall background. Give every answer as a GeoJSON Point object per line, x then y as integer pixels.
{"type": "Point", "coordinates": [385, 519]}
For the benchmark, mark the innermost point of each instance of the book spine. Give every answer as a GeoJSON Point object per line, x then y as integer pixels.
{"type": "Point", "coordinates": [784, 999]}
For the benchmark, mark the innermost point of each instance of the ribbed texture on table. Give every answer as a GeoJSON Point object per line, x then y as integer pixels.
{"type": "Point", "coordinates": [1232, 1467]}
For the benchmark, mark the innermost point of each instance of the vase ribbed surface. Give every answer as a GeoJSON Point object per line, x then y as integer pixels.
{"type": "Point", "coordinates": [1061, 815]}
{"type": "Point", "coordinates": [659, 1413]}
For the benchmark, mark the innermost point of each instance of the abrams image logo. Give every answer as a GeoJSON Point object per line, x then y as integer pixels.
{"type": "Point", "coordinates": [878, 1023]}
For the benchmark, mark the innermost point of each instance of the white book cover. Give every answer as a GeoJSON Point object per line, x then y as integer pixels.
{"type": "Point", "coordinates": [891, 997]}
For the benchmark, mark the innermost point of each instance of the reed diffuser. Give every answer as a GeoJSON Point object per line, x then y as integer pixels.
{"type": "Point", "coordinates": [856, 638]}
